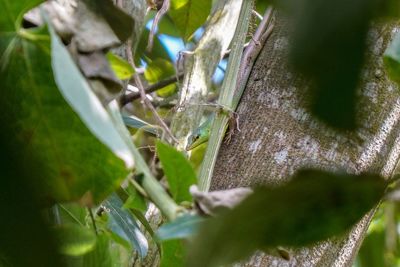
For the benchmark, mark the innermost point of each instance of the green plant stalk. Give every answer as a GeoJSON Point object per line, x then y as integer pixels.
{"type": "Point", "coordinates": [199, 66]}
{"type": "Point", "coordinates": [226, 98]}
{"type": "Point", "coordinates": [150, 184]}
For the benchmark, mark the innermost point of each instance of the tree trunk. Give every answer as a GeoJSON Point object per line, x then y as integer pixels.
{"type": "Point", "coordinates": [279, 136]}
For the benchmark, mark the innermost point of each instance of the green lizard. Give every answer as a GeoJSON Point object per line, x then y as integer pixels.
{"type": "Point", "coordinates": [200, 135]}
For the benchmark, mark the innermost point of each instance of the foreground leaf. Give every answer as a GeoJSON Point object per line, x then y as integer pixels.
{"type": "Point", "coordinates": [179, 172]}
{"type": "Point", "coordinates": [70, 160]}
{"type": "Point", "coordinates": [22, 228]}
{"type": "Point", "coordinates": [123, 224]}
{"type": "Point", "coordinates": [74, 240]}
{"type": "Point", "coordinates": [173, 253]}
{"type": "Point", "coordinates": [331, 54]}
{"type": "Point", "coordinates": [315, 205]}
{"type": "Point", "coordinates": [77, 92]}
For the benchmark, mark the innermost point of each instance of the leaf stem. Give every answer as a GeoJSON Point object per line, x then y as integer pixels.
{"type": "Point", "coordinates": [26, 34]}
{"type": "Point", "coordinates": [93, 220]}
{"type": "Point", "coordinates": [149, 183]}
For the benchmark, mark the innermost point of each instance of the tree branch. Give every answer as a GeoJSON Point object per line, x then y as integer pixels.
{"type": "Point", "coordinates": [125, 99]}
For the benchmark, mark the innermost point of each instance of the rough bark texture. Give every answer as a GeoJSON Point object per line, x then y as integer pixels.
{"type": "Point", "coordinates": [278, 136]}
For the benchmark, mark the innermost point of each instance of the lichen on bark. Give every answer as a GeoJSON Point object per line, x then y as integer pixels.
{"type": "Point", "coordinates": [279, 136]}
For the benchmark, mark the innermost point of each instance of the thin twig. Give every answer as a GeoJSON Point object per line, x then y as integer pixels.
{"type": "Point", "coordinates": [145, 100]}
{"type": "Point", "coordinates": [93, 221]}
{"type": "Point", "coordinates": [160, 13]}
{"type": "Point", "coordinates": [125, 99]}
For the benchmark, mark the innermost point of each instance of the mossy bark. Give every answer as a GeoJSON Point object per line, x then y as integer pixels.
{"type": "Point", "coordinates": [279, 136]}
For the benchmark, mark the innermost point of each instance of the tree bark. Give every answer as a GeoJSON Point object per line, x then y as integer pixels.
{"type": "Point", "coordinates": [279, 136]}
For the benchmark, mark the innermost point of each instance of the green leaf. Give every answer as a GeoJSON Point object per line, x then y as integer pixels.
{"type": "Point", "coordinates": [313, 206]}
{"type": "Point", "coordinates": [74, 240]}
{"type": "Point", "coordinates": [179, 172]}
{"type": "Point", "coordinates": [121, 67]}
{"type": "Point", "coordinates": [13, 12]}
{"type": "Point", "coordinates": [391, 59]}
{"type": "Point", "coordinates": [160, 69]}
{"type": "Point", "coordinates": [184, 226]}
{"type": "Point", "coordinates": [122, 223]}
{"type": "Point", "coordinates": [173, 253]}
{"type": "Point", "coordinates": [189, 15]}
{"type": "Point", "coordinates": [136, 123]}
{"type": "Point", "coordinates": [70, 160]}
{"type": "Point", "coordinates": [83, 100]}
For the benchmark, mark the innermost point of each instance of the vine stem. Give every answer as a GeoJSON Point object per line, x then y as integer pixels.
{"type": "Point", "coordinates": [93, 220]}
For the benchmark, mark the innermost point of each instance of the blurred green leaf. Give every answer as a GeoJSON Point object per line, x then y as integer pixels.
{"type": "Point", "coordinates": [189, 15]}
{"type": "Point", "coordinates": [74, 240]}
{"type": "Point", "coordinates": [79, 95]}
{"type": "Point", "coordinates": [121, 67]}
{"type": "Point", "coordinates": [13, 12]}
{"type": "Point", "coordinates": [22, 228]}
{"type": "Point", "coordinates": [328, 46]}
{"type": "Point", "coordinates": [173, 253]}
{"type": "Point", "coordinates": [122, 223]}
{"type": "Point", "coordinates": [41, 119]}
{"type": "Point", "coordinates": [313, 206]}
{"type": "Point", "coordinates": [179, 172]}
{"type": "Point", "coordinates": [391, 59]}
{"type": "Point", "coordinates": [160, 69]}
{"type": "Point", "coordinates": [184, 226]}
